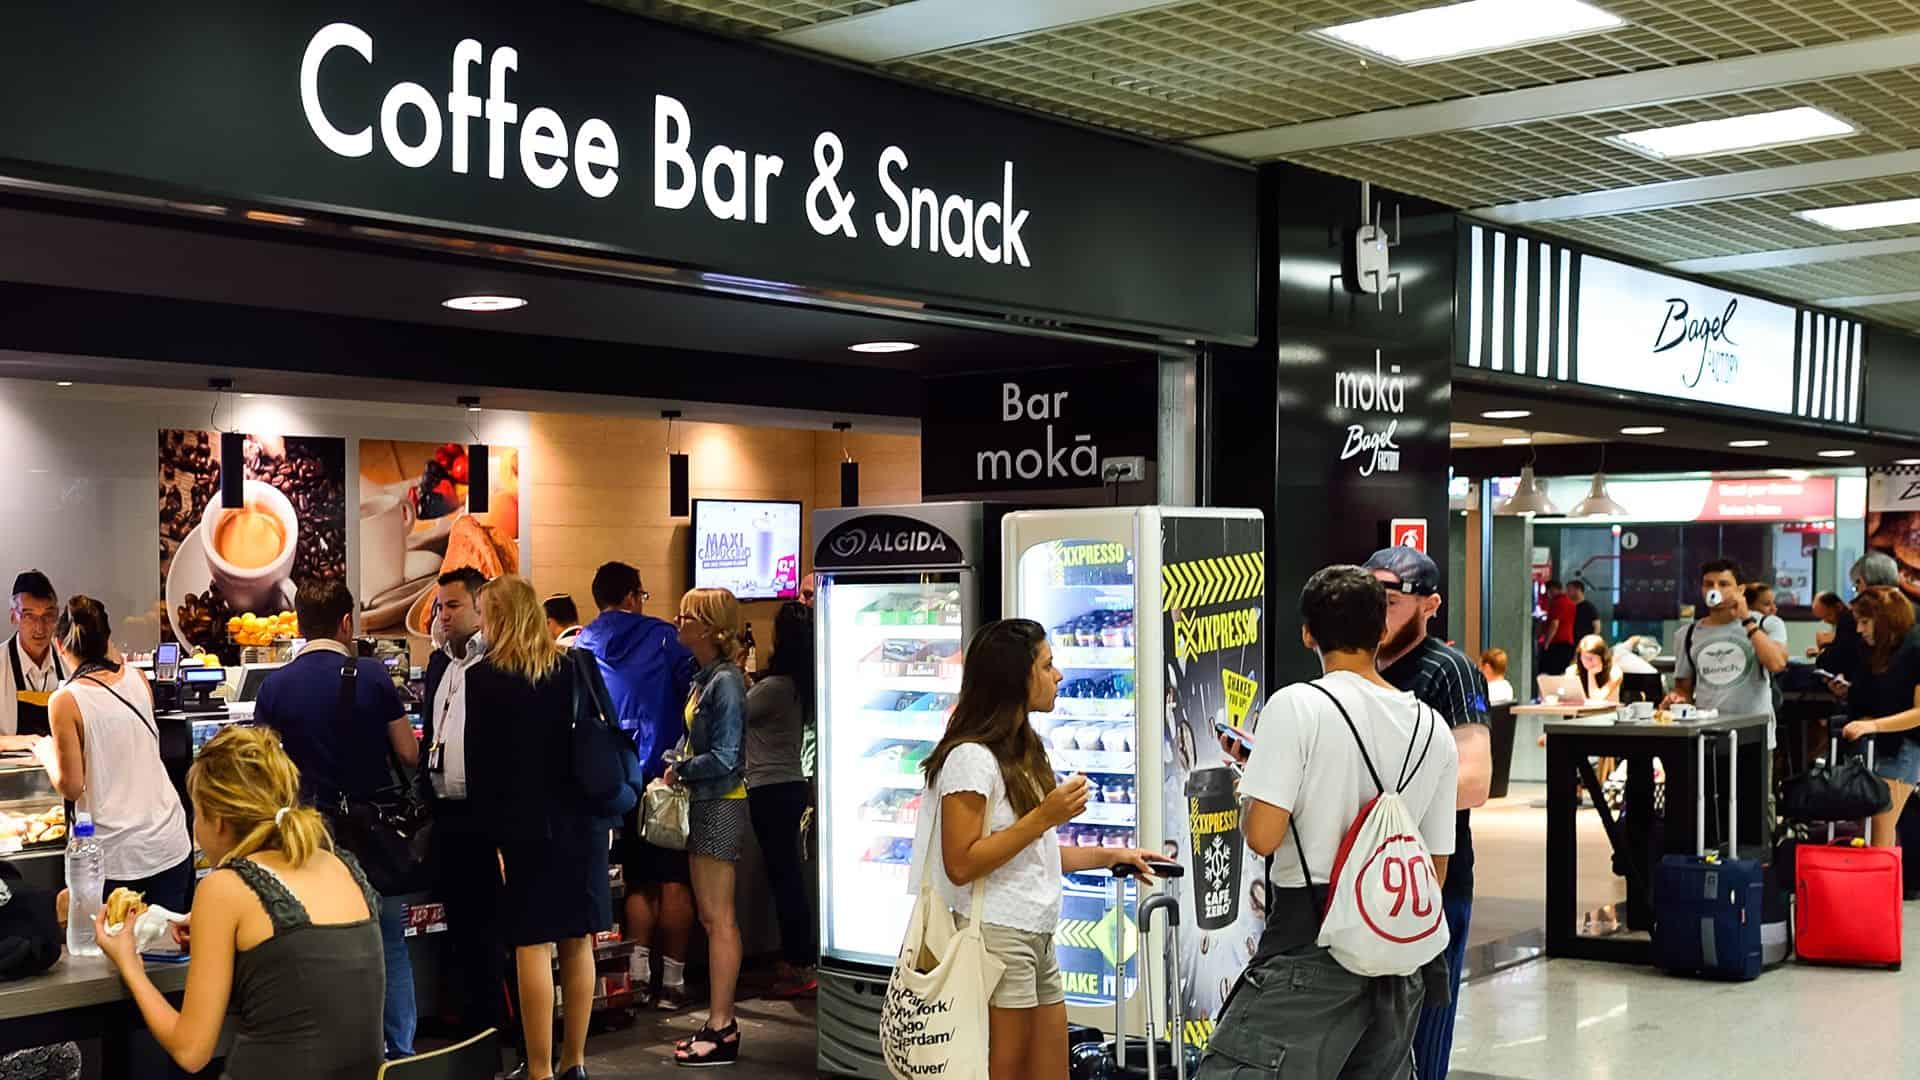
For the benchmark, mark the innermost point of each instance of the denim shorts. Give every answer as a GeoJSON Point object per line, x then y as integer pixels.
{"type": "Point", "coordinates": [1903, 765]}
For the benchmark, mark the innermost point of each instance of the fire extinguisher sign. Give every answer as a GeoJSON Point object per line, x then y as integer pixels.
{"type": "Point", "coordinates": [1410, 532]}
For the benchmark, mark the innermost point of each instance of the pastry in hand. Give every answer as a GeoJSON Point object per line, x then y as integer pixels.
{"type": "Point", "coordinates": [124, 906]}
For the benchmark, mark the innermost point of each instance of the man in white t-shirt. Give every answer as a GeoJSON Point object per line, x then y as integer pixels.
{"type": "Point", "coordinates": [1303, 786]}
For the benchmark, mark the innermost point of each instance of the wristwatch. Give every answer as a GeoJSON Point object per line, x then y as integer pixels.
{"type": "Point", "coordinates": [1750, 623]}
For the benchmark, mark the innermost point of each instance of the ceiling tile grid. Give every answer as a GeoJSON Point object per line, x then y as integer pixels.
{"type": "Point", "coordinates": [1739, 226]}
{"type": "Point", "coordinates": [1855, 277]}
{"type": "Point", "coordinates": [750, 18]}
{"type": "Point", "coordinates": [1572, 155]}
{"type": "Point", "coordinates": [1229, 65]}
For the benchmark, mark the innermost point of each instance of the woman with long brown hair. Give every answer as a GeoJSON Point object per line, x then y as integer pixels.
{"type": "Point", "coordinates": [1886, 700]}
{"type": "Point", "coordinates": [553, 851]}
{"type": "Point", "coordinates": [283, 929]}
{"type": "Point", "coordinates": [990, 774]}
{"type": "Point", "coordinates": [1593, 665]}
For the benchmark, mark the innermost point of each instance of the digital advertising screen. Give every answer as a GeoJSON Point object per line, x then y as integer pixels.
{"type": "Point", "coordinates": [749, 548]}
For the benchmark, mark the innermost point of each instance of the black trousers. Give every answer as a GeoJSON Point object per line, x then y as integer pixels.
{"type": "Point", "coordinates": [467, 881]}
{"type": "Point", "coordinates": [776, 811]}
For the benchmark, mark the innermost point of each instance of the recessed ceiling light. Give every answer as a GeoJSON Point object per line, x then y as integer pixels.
{"type": "Point", "coordinates": [249, 395]}
{"type": "Point", "coordinates": [1907, 461]}
{"type": "Point", "coordinates": [472, 403]}
{"type": "Point", "coordinates": [1507, 414]}
{"type": "Point", "coordinates": [63, 382]}
{"type": "Point", "coordinates": [1726, 135]}
{"type": "Point", "coordinates": [1519, 440]}
{"type": "Point", "coordinates": [1462, 435]}
{"type": "Point", "coordinates": [1836, 453]}
{"type": "Point", "coordinates": [1747, 444]}
{"type": "Point", "coordinates": [883, 347]}
{"type": "Point", "coordinates": [1643, 431]}
{"type": "Point", "coordinates": [1476, 26]}
{"type": "Point", "coordinates": [1873, 215]}
{"type": "Point", "coordinates": [484, 303]}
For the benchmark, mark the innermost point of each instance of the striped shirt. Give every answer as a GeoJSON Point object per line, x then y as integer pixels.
{"type": "Point", "coordinates": [1444, 680]}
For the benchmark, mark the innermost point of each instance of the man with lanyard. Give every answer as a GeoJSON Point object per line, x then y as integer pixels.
{"type": "Point", "coordinates": [32, 670]}
{"type": "Point", "coordinates": [1443, 679]}
{"type": "Point", "coordinates": [467, 864]}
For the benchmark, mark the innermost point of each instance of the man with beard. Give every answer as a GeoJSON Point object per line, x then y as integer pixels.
{"type": "Point", "coordinates": [1443, 679]}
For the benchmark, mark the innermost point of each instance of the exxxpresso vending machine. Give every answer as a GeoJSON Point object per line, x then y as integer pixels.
{"type": "Point", "coordinates": [1156, 618]}
{"type": "Point", "coordinates": [900, 590]}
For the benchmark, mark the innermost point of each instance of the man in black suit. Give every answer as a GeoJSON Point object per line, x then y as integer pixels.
{"type": "Point", "coordinates": [468, 868]}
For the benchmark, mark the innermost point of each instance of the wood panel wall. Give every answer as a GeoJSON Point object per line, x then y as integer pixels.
{"type": "Point", "coordinates": [599, 493]}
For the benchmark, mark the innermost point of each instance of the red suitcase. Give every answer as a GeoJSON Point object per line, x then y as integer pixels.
{"type": "Point", "coordinates": [1848, 904]}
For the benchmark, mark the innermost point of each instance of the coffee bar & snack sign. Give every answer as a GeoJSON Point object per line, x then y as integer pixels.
{"type": "Point", "coordinates": [581, 127]}
{"type": "Point", "coordinates": [730, 183]}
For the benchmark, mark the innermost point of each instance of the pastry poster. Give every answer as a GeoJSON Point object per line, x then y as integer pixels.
{"type": "Point", "coordinates": [1893, 522]}
{"type": "Point", "coordinates": [227, 574]}
{"type": "Point", "coordinates": [1213, 588]}
{"type": "Point", "coordinates": [415, 524]}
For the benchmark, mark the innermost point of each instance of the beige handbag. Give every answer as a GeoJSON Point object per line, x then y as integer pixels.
{"type": "Point", "coordinates": [933, 1022]}
{"type": "Point", "coordinates": [666, 810]}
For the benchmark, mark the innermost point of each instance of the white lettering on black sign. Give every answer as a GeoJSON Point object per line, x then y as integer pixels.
{"type": "Point", "coordinates": [730, 183]}
{"type": "Point", "coordinates": [1059, 457]}
{"type": "Point", "coordinates": [1383, 390]}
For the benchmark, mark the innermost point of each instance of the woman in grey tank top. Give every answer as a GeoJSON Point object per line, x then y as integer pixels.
{"type": "Point", "coordinates": [284, 932]}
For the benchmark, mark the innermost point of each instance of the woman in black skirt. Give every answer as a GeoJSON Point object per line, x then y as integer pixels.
{"type": "Point", "coordinates": [553, 851]}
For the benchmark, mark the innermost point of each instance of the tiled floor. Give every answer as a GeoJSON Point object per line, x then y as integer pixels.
{"type": "Point", "coordinates": [777, 1043]}
{"type": "Point", "coordinates": [1560, 1019]}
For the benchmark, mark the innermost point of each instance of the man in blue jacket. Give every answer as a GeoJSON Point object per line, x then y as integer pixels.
{"type": "Point", "coordinates": [648, 673]}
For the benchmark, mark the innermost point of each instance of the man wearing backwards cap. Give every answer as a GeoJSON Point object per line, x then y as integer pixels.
{"type": "Point", "coordinates": [1444, 679]}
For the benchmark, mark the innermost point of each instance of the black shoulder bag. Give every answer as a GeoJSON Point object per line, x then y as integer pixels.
{"type": "Point", "coordinates": [389, 832]}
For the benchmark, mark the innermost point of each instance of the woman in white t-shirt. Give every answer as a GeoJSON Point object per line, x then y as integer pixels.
{"type": "Point", "coordinates": [991, 761]}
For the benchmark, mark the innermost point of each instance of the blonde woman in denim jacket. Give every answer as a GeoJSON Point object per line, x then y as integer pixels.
{"type": "Point", "coordinates": [715, 775]}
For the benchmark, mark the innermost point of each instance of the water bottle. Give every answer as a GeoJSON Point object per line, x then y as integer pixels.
{"type": "Point", "coordinates": [86, 878]}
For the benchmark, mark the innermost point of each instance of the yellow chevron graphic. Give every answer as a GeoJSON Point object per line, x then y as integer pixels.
{"type": "Point", "coordinates": [1203, 583]}
{"type": "Point", "coordinates": [1199, 1033]}
{"type": "Point", "coordinates": [1078, 934]}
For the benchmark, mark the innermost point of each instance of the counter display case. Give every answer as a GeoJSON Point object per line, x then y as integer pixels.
{"type": "Point", "coordinates": [33, 821]}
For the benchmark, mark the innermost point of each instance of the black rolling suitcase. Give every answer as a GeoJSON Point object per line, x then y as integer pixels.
{"type": "Point", "coordinates": [1117, 1058]}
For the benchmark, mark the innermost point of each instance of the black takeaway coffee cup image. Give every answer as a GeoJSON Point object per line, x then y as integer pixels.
{"type": "Point", "coordinates": [1214, 816]}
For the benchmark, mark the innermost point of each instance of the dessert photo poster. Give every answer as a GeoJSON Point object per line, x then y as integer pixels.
{"type": "Point", "coordinates": [415, 524]}
{"type": "Point", "coordinates": [1893, 522]}
{"type": "Point", "coordinates": [228, 574]}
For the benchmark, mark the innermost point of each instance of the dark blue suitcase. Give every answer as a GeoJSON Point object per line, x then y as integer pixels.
{"type": "Point", "coordinates": [1707, 910]}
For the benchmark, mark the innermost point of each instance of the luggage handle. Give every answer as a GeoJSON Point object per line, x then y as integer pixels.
{"type": "Point", "coordinates": [1833, 761]}
{"type": "Point", "coordinates": [1177, 1035]}
{"type": "Point", "coordinates": [1121, 873]}
{"type": "Point", "coordinates": [1733, 794]}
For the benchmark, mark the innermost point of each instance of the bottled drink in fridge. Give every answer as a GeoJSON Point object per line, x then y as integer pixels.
{"type": "Point", "coordinates": [86, 877]}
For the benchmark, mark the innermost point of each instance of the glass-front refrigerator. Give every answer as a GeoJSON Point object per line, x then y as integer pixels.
{"type": "Point", "coordinates": [900, 589]}
{"type": "Point", "coordinates": [1156, 618]}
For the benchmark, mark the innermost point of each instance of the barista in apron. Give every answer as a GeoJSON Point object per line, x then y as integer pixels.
{"type": "Point", "coordinates": [32, 669]}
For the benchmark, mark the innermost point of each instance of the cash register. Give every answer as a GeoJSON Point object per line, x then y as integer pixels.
{"type": "Point", "coordinates": [196, 689]}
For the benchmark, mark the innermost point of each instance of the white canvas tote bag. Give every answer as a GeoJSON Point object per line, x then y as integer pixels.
{"type": "Point", "coordinates": [933, 1023]}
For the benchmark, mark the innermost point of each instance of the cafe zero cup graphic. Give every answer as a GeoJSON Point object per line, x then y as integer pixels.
{"type": "Point", "coordinates": [250, 548]}
{"type": "Point", "coordinates": [1214, 816]}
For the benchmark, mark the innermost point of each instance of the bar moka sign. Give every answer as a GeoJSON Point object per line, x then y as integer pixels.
{"type": "Point", "coordinates": [574, 124]}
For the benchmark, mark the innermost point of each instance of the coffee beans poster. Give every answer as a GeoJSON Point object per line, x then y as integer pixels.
{"type": "Point", "coordinates": [228, 574]}
{"type": "Point", "coordinates": [417, 522]}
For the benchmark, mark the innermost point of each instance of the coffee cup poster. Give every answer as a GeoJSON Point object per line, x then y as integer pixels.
{"type": "Point", "coordinates": [228, 574]}
{"type": "Point", "coordinates": [1212, 600]}
{"type": "Point", "coordinates": [416, 524]}
{"type": "Point", "coordinates": [1893, 522]}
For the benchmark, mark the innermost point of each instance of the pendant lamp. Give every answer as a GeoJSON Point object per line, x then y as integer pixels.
{"type": "Point", "coordinates": [1529, 497]}
{"type": "Point", "coordinates": [1598, 504]}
